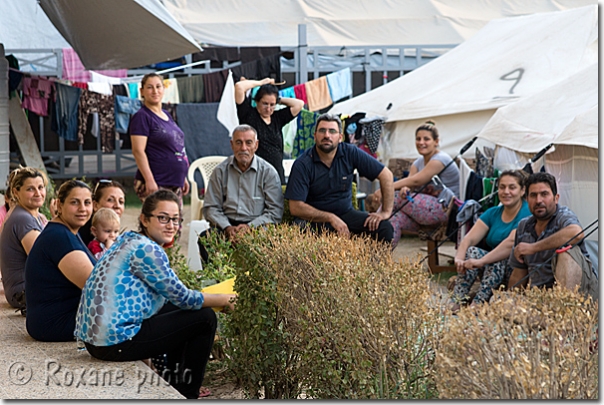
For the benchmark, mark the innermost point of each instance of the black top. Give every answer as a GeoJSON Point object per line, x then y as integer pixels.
{"type": "Point", "coordinates": [270, 147]}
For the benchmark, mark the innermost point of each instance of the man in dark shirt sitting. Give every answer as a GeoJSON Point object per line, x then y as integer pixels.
{"type": "Point", "coordinates": [534, 256]}
{"type": "Point", "coordinates": [319, 189]}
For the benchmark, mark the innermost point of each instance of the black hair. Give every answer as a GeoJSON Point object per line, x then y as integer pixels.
{"type": "Point", "coordinates": [329, 118]}
{"type": "Point", "coordinates": [151, 202]}
{"type": "Point", "coordinates": [541, 177]}
{"type": "Point", "coordinates": [69, 185]}
{"type": "Point", "coordinates": [266, 89]}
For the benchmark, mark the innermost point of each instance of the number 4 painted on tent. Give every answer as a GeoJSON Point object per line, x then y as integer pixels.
{"type": "Point", "coordinates": [508, 76]}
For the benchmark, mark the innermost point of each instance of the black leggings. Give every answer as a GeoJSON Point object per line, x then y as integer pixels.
{"type": "Point", "coordinates": [186, 336]}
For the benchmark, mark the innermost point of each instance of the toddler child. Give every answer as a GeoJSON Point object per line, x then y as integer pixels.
{"type": "Point", "coordinates": [105, 228]}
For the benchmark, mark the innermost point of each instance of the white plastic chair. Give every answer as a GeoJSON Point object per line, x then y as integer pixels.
{"type": "Point", "coordinates": [195, 228]}
{"type": "Point", "coordinates": [206, 166]}
{"type": "Point", "coordinates": [287, 167]}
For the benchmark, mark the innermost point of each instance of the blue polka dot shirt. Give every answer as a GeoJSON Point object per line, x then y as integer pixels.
{"type": "Point", "coordinates": [131, 283]}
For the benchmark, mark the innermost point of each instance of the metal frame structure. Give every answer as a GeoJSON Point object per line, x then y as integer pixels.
{"type": "Point", "coordinates": [309, 63]}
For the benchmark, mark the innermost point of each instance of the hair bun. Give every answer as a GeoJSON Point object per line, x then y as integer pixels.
{"type": "Point", "coordinates": [430, 122]}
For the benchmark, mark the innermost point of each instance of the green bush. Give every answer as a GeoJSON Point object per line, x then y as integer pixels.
{"type": "Point", "coordinates": [315, 319]}
{"type": "Point", "coordinates": [219, 266]}
{"type": "Point", "coordinates": [538, 344]}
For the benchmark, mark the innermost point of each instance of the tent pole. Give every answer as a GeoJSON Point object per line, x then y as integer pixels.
{"type": "Point", "coordinates": [302, 55]}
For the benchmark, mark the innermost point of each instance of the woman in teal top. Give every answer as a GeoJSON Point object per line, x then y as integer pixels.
{"type": "Point", "coordinates": [134, 307]}
{"type": "Point", "coordinates": [498, 225]}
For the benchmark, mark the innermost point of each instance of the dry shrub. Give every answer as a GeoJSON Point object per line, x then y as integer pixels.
{"type": "Point", "coordinates": [331, 317]}
{"type": "Point", "coordinates": [535, 344]}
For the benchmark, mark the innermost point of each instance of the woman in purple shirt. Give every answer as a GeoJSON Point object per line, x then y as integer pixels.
{"type": "Point", "coordinates": [158, 144]}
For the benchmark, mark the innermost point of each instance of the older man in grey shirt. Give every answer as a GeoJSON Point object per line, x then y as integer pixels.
{"type": "Point", "coordinates": [244, 191]}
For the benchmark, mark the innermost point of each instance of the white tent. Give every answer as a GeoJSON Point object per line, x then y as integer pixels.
{"type": "Point", "coordinates": [347, 22]}
{"type": "Point", "coordinates": [507, 60]}
{"type": "Point", "coordinates": [566, 115]}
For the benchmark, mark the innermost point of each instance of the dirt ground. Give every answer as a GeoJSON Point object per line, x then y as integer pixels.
{"type": "Point", "coordinates": [217, 378]}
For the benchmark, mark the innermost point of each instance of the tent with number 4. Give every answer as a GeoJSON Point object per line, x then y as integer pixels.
{"type": "Point", "coordinates": [508, 60]}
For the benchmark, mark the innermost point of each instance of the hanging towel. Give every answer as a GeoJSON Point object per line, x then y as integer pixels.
{"type": "Point", "coordinates": [213, 85]}
{"type": "Point", "coordinates": [339, 83]}
{"type": "Point", "coordinates": [171, 92]}
{"type": "Point", "coordinates": [133, 90]}
{"type": "Point", "coordinates": [227, 108]}
{"type": "Point", "coordinates": [304, 134]}
{"type": "Point", "coordinates": [74, 70]}
{"type": "Point", "coordinates": [101, 88]}
{"type": "Point", "coordinates": [36, 92]}
{"type": "Point", "coordinates": [289, 135]}
{"type": "Point", "coordinates": [190, 89]}
{"type": "Point", "coordinates": [317, 94]}
{"type": "Point", "coordinates": [252, 94]}
{"type": "Point", "coordinates": [300, 92]}
{"type": "Point", "coordinates": [287, 93]}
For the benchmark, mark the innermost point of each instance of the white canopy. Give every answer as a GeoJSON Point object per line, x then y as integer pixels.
{"type": "Point", "coordinates": [117, 34]}
{"type": "Point", "coordinates": [507, 60]}
{"type": "Point", "coordinates": [347, 22]}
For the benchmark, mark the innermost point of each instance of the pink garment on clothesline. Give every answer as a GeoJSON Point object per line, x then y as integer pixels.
{"type": "Point", "coordinates": [74, 70]}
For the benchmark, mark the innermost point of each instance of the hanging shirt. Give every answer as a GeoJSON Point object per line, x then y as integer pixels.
{"type": "Point", "coordinates": [36, 93]}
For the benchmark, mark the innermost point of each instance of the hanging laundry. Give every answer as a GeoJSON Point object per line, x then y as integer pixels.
{"type": "Point", "coordinates": [371, 131]}
{"type": "Point", "coordinates": [252, 94]}
{"type": "Point", "coordinates": [124, 108]}
{"type": "Point", "coordinates": [340, 84]}
{"type": "Point", "coordinates": [317, 93]}
{"type": "Point", "coordinates": [287, 93]}
{"type": "Point", "coordinates": [81, 85]}
{"type": "Point", "coordinates": [119, 90]}
{"type": "Point", "coordinates": [101, 88]}
{"type": "Point", "coordinates": [133, 90]}
{"type": "Point", "coordinates": [227, 109]}
{"type": "Point", "coordinates": [105, 105]}
{"type": "Point", "coordinates": [171, 92]}
{"type": "Point", "coordinates": [353, 128]}
{"type": "Point", "coordinates": [213, 85]}
{"type": "Point", "coordinates": [204, 134]}
{"type": "Point", "coordinates": [36, 93]}
{"type": "Point", "coordinates": [74, 70]}
{"type": "Point", "coordinates": [300, 92]}
{"type": "Point", "coordinates": [65, 118]}
{"type": "Point", "coordinates": [190, 89]}
{"type": "Point", "coordinates": [305, 137]}
{"type": "Point", "coordinates": [289, 135]}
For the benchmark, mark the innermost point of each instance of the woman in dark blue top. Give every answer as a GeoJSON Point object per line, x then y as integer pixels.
{"type": "Point", "coordinates": [58, 266]}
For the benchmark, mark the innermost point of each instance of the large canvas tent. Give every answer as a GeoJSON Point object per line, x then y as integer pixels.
{"type": "Point", "coordinates": [507, 60]}
{"type": "Point", "coordinates": [566, 115]}
{"type": "Point", "coordinates": [346, 22]}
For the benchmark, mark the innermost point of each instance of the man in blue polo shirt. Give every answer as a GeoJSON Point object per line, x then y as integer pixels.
{"type": "Point", "coordinates": [319, 188]}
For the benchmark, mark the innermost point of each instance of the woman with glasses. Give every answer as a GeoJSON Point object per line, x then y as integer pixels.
{"type": "Point", "coordinates": [264, 119]}
{"type": "Point", "coordinates": [57, 267]}
{"type": "Point", "coordinates": [106, 194]}
{"type": "Point", "coordinates": [27, 192]}
{"type": "Point", "coordinates": [158, 144]}
{"type": "Point", "coordinates": [134, 307]}
{"type": "Point", "coordinates": [423, 209]}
